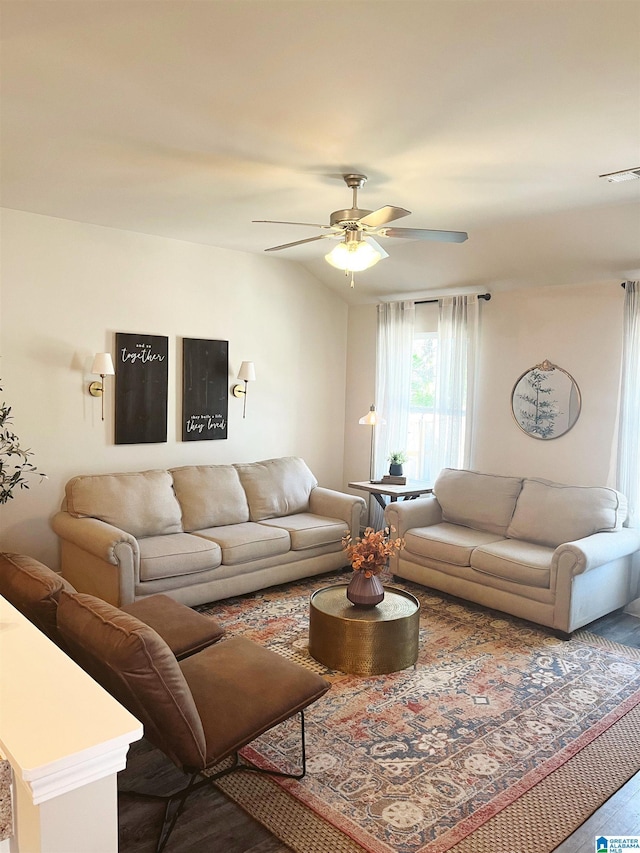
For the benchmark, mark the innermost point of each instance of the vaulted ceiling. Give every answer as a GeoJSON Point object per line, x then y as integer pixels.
{"type": "Point", "coordinates": [191, 119]}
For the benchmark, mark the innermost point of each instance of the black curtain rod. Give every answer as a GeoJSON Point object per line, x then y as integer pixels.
{"type": "Point", "coordinates": [486, 296]}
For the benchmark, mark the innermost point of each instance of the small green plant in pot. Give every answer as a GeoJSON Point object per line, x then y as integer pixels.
{"type": "Point", "coordinates": [15, 466]}
{"type": "Point", "coordinates": [397, 459]}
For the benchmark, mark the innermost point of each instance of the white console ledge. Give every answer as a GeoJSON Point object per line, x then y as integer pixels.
{"type": "Point", "coordinates": [66, 739]}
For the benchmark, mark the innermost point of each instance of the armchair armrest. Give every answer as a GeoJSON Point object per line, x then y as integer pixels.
{"type": "Point", "coordinates": [333, 504]}
{"type": "Point", "coordinates": [95, 536]}
{"type": "Point", "coordinates": [586, 554]}
{"type": "Point", "coordinates": [404, 515]}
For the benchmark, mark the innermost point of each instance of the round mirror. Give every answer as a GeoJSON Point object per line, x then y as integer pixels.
{"type": "Point", "coordinates": [545, 401]}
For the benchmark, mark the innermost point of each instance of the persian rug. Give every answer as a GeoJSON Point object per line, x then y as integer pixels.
{"type": "Point", "coordinates": [502, 737]}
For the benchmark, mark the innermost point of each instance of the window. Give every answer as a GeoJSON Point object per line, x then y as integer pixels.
{"type": "Point", "coordinates": [422, 406]}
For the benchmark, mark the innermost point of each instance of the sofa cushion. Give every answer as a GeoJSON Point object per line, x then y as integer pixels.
{"type": "Point", "coordinates": [132, 662]}
{"type": "Point", "coordinates": [512, 560]}
{"type": "Point", "coordinates": [33, 589]}
{"type": "Point", "coordinates": [310, 531]}
{"type": "Point", "coordinates": [210, 496]}
{"type": "Point", "coordinates": [482, 501]}
{"type": "Point", "coordinates": [551, 514]}
{"type": "Point", "coordinates": [176, 554]}
{"type": "Point", "coordinates": [241, 543]}
{"type": "Point", "coordinates": [276, 487]}
{"type": "Point", "coordinates": [448, 543]}
{"type": "Point", "coordinates": [142, 504]}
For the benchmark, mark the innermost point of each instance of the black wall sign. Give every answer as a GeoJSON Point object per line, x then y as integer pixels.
{"type": "Point", "coordinates": [142, 370]}
{"type": "Point", "coordinates": [205, 395]}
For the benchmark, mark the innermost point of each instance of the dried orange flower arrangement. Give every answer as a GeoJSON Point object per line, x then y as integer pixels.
{"type": "Point", "coordinates": [369, 553]}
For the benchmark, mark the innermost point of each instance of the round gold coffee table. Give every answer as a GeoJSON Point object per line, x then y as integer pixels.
{"type": "Point", "coordinates": [364, 640]}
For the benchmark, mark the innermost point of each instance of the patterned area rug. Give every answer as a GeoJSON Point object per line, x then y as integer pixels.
{"type": "Point", "coordinates": [496, 714]}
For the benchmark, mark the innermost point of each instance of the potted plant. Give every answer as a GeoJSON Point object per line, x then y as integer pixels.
{"type": "Point", "coordinates": [397, 458]}
{"type": "Point", "coordinates": [15, 466]}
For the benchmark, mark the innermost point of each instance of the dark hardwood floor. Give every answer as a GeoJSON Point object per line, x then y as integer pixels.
{"type": "Point", "coordinates": [212, 824]}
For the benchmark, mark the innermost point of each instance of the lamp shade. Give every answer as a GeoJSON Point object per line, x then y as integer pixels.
{"type": "Point", "coordinates": [247, 371]}
{"type": "Point", "coordinates": [355, 255]}
{"type": "Point", "coordinates": [103, 364]}
{"type": "Point", "coordinates": [371, 418]}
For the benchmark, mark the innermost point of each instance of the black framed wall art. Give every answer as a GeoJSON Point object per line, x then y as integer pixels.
{"type": "Point", "coordinates": [205, 395]}
{"type": "Point", "coordinates": [142, 372]}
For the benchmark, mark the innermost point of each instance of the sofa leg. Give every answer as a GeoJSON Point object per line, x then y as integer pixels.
{"type": "Point", "coordinates": [561, 635]}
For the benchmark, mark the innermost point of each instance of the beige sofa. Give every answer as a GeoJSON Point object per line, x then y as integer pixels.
{"type": "Point", "coordinates": [201, 532]}
{"type": "Point", "coordinates": [556, 555]}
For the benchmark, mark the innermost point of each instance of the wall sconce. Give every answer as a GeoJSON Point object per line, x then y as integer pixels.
{"type": "Point", "coordinates": [102, 366]}
{"type": "Point", "coordinates": [247, 373]}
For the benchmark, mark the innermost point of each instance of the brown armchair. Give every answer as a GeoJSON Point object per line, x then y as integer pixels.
{"type": "Point", "coordinates": [198, 711]}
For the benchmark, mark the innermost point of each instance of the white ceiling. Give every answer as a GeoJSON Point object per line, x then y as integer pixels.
{"type": "Point", "coordinates": [191, 119]}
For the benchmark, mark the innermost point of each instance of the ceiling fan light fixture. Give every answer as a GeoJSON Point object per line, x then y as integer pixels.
{"type": "Point", "coordinates": [354, 256]}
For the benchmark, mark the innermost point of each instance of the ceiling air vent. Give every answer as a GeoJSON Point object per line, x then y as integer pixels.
{"type": "Point", "coordinates": [624, 175]}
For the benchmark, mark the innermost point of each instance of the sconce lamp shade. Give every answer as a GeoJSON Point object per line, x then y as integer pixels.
{"type": "Point", "coordinates": [103, 364]}
{"type": "Point", "coordinates": [247, 371]}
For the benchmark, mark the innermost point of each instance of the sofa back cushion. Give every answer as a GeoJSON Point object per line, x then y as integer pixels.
{"type": "Point", "coordinates": [480, 501]}
{"type": "Point", "coordinates": [33, 589]}
{"type": "Point", "coordinates": [135, 665]}
{"type": "Point", "coordinates": [551, 514]}
{"type": "Point", "coordinates": [210, 496]}
{"type": "Point", "coordinates": [143, 504]}
{"type": "Point", "coordinates": [276, 487]}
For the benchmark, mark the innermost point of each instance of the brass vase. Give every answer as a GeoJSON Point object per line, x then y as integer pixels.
{"type": "Point", "coordinates": [363, 591]}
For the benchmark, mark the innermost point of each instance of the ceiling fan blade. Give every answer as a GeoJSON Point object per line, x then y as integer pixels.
{"type": "Point", "coordinates": [382, 215]}
{"type": "Point", "coordinates": [426, 234]}
{"type": "Point", "coordinates": [278, 222]}
{"type": "Point", "coordinates": [298, 243]}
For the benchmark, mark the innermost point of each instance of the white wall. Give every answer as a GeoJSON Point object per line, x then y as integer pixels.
{"type": "Point", "coordinates": [578, 328]}
{"type": "Point", "coordinates": [67, 287]}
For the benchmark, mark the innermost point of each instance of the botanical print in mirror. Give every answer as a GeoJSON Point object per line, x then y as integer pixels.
{"type": "Point", "coordinates": [545, 401]}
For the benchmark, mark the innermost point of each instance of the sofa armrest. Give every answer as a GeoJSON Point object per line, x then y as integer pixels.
{"type": "Point", "coordinates": [98, 558]}
{"type": "Point", "coordinates": [333, 504]}
{"type": "Point", "coordinates": [404, 515]}
{"type": "Point", "coordinates": [92, 535]}
{"type": "Point", "coordinates": [582, 555]}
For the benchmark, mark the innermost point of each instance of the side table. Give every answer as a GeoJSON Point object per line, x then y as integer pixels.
{"type": "Point", "coordinates": [364, 640]}
{"type": "Point", "coordinates": [409, 492]}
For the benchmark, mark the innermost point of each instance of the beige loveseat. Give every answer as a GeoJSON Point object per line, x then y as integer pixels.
{"type": "Point", "coordinates": [201, 532]}
{"type": "Point", "coordinates": [556, 555]}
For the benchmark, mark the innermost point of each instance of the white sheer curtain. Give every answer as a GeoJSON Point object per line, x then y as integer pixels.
{"type": "Point", "coordinates": [628, 467]}
{"type": "Point", "coordinates": [396, 322]}
{"type": "Point", "coordinates": [458, 322]}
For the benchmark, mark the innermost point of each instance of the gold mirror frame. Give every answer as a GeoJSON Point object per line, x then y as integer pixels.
{"type": "Point", "coordinates": [545, 401]}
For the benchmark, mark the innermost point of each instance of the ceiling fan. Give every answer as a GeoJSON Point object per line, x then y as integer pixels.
{"type": "Point", "coordinates": [356, 229]}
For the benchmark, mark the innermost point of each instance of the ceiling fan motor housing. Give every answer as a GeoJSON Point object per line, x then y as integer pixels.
{"type": "Point", "coordinates": [348, 219]}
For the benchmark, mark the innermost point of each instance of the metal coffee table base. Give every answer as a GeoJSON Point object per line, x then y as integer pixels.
{"type": "Point", "coordinates": [364, 641]}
